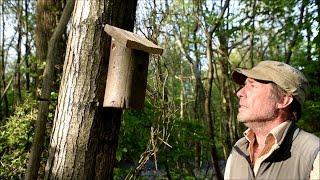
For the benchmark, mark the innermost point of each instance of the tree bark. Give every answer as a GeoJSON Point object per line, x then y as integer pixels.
{"type": "Point", "coordinates": [17, 74]}
{"type": "Point", "coordinates": [309, 35]}
{"type": "Point", "coordinates": [207, 106]}
{"type": "Point", "coordinates": [197, 109]}
{"type": "Point", "coordinates": [48, 12]}
{"type": "Point", "coordinates": [199, 100]}
{"type": "Point", "coordinates": [252, 32]}
{"type": "Point", "coordinates": [318, 36]}
{"type": "Point", "coordinates": [85, 135]}
{"type": "Point", "coordinates": [296, 32]}
{"type": "Point", "coordinates": [207, 103]}
{"type": "Point", "coordinates": [47, 86]}
{"type": "Point", "coordinates": [27, 45]}
{"type": "Point", "coordinates": [5, 112]}
{"type": "Point", "coordinates": [226, 94]}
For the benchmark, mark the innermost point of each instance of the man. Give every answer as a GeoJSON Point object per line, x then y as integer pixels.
{"type": "Point", "coordinates": [273, 148]}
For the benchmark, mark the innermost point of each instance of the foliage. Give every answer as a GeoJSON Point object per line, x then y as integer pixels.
{"type": "Point", "coordinates": [135, 128]}
{"type": "Point", "coordinates": [15, 140]}
{"type": "Point", "coordinates": [181, 155]}
{"type": "Point", "coordinates": [311, 108]}
{"type": "Point", "coordinates": [310, 118]}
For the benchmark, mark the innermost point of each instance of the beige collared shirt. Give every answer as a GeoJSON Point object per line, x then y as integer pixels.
{"type": "Point", "coordinates": [271, 144]}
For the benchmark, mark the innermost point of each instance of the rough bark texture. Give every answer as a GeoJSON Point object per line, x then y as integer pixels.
{"type": "Point", "coordinates": [48, 13]}
{"type": "Point", "coordinates": [47, 84]}
{"type": "Point", "coordinates": [85, 135]}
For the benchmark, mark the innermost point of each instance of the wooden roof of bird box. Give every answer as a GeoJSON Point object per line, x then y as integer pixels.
{"type": "Point", "coordinates": [127, 70]}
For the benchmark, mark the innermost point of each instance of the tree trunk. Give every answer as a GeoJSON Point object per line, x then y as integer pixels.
{"type": "Point", "coordinates": [198, 91]}
{"type": "Point", "coordinates": [207, 106]}
{"type": "Point", "coordinates": [17, 74]}
{"type": "Point", "coordinates": [182, 92]}
{"type": "Point", "coordinates": [199, 102]}
{"type": "Point", "coordinates": [208, 94]}
{"type": "Point", "coordinates": [47, 86]}
{"type": "Point", "coordinates": [5, 112]}
{"type": "Point", "coordinates": [318, 19]}
{"type": "Point", "coordinates": [296, 32]}
{"type": "Point", "coordinates": [85, 135]}
{"type": "Point", "coordinates": [27, 45]}
{"type": "Point", "coordinates": [252, 31]}
{"type": "Point", "coordinates": [309, 35]}
{"type": "Point", "coordinates": [225, 93]}
{"type": "Point", "coordinates": [48, 13]}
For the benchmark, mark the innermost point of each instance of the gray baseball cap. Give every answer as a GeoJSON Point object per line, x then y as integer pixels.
{"type": "Point", "coordinates": [287, 77]}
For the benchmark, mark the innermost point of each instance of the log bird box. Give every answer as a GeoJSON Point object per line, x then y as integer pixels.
{"type": "Point", "coordinates": [128, 67]}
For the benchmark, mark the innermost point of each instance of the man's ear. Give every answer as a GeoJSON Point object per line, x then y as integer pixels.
{"type": "Point", "coordinates": [285, 101]}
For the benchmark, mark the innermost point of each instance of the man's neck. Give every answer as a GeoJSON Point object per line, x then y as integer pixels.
{"type": "Point", "coordinates": [262, 129]}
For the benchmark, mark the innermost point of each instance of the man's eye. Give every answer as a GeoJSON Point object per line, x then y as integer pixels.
{"type": "Point", "coordinates": [238, 89]}
{"type": "Point", "coordinates": [254, 85]}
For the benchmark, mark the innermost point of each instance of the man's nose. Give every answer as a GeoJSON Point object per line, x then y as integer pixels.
{"type": "Point", "coordinates": [240, 92]}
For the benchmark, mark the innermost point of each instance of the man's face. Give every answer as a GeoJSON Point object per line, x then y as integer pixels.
{"type": "Point", "coordinates": [256, 103]}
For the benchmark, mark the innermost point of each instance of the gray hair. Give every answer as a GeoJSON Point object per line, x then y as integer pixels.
{"type": "Point", "coordinates": [294, 109]}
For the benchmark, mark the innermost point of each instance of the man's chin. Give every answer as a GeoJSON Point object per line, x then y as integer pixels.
{"type": "Point", "coordinates": [248, 122]}
{"type": "Point", "coordinates": [243, 119]}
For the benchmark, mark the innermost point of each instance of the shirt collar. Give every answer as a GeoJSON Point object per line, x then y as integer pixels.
{"type": "Point", "coordinates": [277, 132]}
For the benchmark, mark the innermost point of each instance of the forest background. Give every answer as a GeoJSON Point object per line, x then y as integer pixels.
{"type": "Point", "coordinates": [188, 125]}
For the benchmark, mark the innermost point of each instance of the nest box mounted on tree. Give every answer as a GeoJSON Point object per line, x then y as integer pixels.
{"type": "Point", "coordinates": [128, 67]}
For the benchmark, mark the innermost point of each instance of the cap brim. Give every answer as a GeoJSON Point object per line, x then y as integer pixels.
{"type": "Point", "coordinates": [240, 75]}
